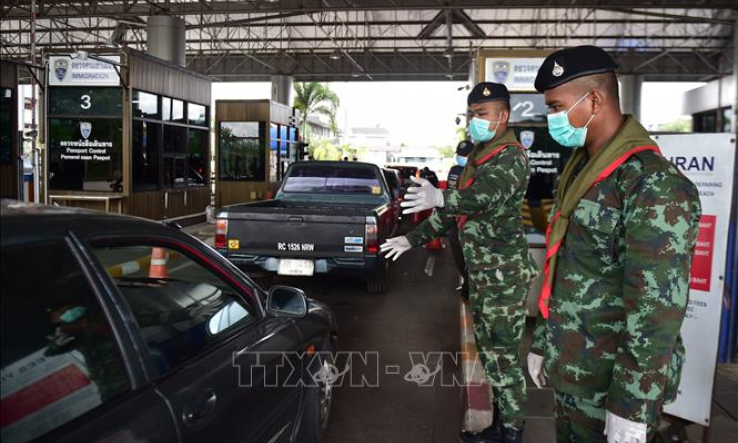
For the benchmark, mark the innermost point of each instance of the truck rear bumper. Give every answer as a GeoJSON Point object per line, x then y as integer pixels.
{"type": "Point", "coordinates": [354, 266]}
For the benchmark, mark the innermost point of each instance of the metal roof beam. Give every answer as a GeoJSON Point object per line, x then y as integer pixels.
{"type": "Point", "coordinates": [121, 9]}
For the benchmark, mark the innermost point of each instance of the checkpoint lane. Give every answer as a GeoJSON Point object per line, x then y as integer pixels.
{"type": "Point", "coordinates": [420, 311]}
{"type": "Point", "coordinates": [416, 319]}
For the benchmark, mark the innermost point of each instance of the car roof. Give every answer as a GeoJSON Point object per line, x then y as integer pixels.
{"type": "Point", "coordinates": [402, 167]}
{"type": "Point", "coordinates": [333, 163]}
{"type": "Point", "coordinates": [30, 220]}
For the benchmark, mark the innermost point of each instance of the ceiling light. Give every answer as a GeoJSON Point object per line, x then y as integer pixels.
{"type": "Point", "coordinates": [80, 54]}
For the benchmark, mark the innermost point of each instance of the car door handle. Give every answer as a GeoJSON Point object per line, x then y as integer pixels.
{"type": "Point", "coordinates": [199, 408]}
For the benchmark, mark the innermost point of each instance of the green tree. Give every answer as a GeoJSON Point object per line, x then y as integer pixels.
{"type": "Point", "coordinates": [461, 134]}
{"type": "Point", "coordinates": [446, 151]}
{"type": "Point", "coordinates": [324, 150]}
{"type": "Point", "coordinates": [680, 125]}
{"type": "Point", "coordinates": [352, 152]}
{"type": "Point", "coordinates": [316, 99]}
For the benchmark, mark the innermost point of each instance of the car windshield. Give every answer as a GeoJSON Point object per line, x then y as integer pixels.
{"type": "Point", "coordinates": [325, 179]}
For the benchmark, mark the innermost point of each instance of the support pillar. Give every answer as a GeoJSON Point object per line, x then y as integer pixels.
{"type": "Point", "coordinates": [630, 94]}
{"type": "Point", "coordinates": [735, 79]}
{"type": "Point", "coordinates": [473, 68]}
{"type": "Point", "coordinates": [282, 89]}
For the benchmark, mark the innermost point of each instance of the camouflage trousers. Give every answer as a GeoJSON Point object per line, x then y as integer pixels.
{"type": "Point", "coordinates": [498, 309]}
{"type": "Point", "coordinates": [582, 420]}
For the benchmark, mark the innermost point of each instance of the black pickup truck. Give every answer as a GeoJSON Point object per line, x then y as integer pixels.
{"type": "Point", "coordinates": [327, 218]}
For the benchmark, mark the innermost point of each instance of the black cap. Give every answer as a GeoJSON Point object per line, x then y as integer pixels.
{"type": "Point", "coordinates": [567, 64]}
{"type": "Point", "coordinates": [464, 148]}
{"type": "Point", "coordinates": [488, 92]}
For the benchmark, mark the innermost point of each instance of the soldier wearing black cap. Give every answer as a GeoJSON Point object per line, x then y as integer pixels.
{"type": "Point", "coordinates": [618, 257]}
{"type": "Point", "coordinates": [486, 209]}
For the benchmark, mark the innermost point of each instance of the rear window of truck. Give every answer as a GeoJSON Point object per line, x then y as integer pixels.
{"type": "Point", "coordinates": [332, 180]}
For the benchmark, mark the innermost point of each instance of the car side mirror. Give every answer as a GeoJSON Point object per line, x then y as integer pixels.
{"type": "Point", "coordinates": [285, 301]}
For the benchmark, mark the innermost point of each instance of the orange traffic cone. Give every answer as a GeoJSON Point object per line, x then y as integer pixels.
{"type": "Point", "coordinates": [158, 267]}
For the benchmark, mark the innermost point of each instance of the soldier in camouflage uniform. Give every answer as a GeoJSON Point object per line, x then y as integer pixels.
{"type": "Point", "coordinates": [619, 252]}
{"type": "Point", "coordinates": [486, 208]}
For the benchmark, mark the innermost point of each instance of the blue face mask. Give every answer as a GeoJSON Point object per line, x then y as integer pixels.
{"type": "Point", "coordinates": [479, 130]}
{"type": "Point", "coordinates": [461, 161]}
{"type": "Point", "coordinates": [562, 130]}
{"type": "Point", "coordinates": [73, 314]}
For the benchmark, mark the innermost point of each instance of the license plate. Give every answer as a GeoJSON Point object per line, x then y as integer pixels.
{"type": "Point", "coordinates": [296, 267]}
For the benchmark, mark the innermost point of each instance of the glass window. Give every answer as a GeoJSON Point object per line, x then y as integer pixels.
{"type": "Point", "coordinates": [242, 151]}
{"type": "Point", "coordinates": [175, 139]}
{"type": "Point", "coordinates": [197, 157]}
{"type": "Point", "coordinates": [181, 307]}
{"type": "Point", "coordinates": [146, 144]}
{"type": "Point", "coordinates": [197, 114]}
{"type": "Point", "coordinates": [242, 129]}
{"type": "Point", "coordinates": [85, 101]}
{"type": "Point", "coordinates": [318, 179]}
{"type": "Point", "coordinates": [6, 126]}
{"type": "Point", "coordinates": [174, 173]}
{"type": "Point", "coordinates": [166, 108]}
{"type": "Point", "coordinates": [178, 111]}
{"type": "Point", "coordinates": [85, 154]}
{"type": "Point", "coordinates": [59, 359]}
{"type": "Point", "coordinates": [145, 105]}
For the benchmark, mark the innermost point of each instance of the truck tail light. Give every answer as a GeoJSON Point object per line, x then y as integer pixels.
{"type": "Point", "coordinates": [371, 235]}
{"type": "Point", "coordinates": [221, 232]}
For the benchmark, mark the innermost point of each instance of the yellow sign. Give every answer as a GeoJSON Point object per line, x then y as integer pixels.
{"type": "Point", "coordinates": [376, 190]}
{"type": "Point", "coordinates": [233, 243]}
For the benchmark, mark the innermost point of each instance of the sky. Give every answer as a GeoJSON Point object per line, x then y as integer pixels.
{"type": "Point", "coordinates": [422, 114]}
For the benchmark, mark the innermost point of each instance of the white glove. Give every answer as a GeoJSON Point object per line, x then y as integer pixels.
{"type": "Point", "coordinates": [620, 430]}
{"type": "Point", "coordinates": [536, 370]}
{"type": "Point", "coordinates": [395, 247]}
{"type": "Point", "coordinates": [423, 197]}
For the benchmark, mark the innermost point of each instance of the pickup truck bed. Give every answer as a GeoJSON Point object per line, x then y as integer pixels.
{"type": "Point", "coordinates": [307, 235]}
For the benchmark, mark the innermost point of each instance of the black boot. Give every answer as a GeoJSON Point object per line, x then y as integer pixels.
{"type": "Point", "coordinates": [492, 434]}
{"type": "Point", "coordinates": [511, 435]}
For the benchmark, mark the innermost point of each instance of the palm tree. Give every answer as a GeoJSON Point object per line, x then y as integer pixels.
{"type": "Point", "coordinates": [316, 98]}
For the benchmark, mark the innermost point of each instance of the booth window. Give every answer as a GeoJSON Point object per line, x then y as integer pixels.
{"type": "Point", "coordinates": [146, 145]}
{"type": "Point", "coordinates": [85, 154]}
{"type": "Point", "coordinates": [170, 149]}
{"type": "Point", "coordinates": [242, 151]}
{"type": "Point", "coordinates": [145, 105]}
{"type": "Point", "coordinates": [175, 139]}
{"type": "Point", "coordinates": [175, 146]}
{"type": "Point", "coordinates": [197, 154]}
{"type": "Point", "coordinates": [282, 150]}
{"type": "Point", "coordinates": [178, 115]}
{"type": "Point", "coordinates": [197, 114]}
{"type": "Point", "coordinates": [166, 108]}
{"type": "Point", "coordinates": [6, 126]}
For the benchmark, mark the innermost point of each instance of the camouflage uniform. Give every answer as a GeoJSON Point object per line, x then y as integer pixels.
{"type": "Point", "coordinates": [620, 290]}
{"type": "Point", "coordinates": [499, 265]}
